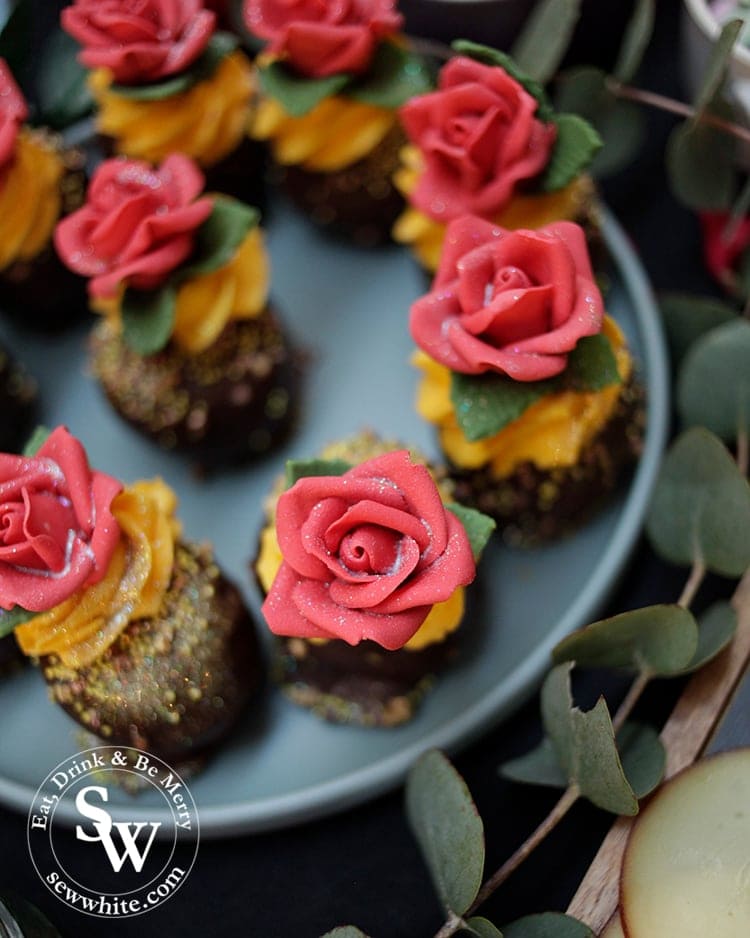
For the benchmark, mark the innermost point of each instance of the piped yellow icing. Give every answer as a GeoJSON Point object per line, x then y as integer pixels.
{"type": "Point", "coordinates": [205, 304]}
{"type": "Point", "coordinates": [334, 134]}
{"type": "Point", "coordinates": [425, 236]}
{"type": "Point", "coordinates": [206, 122]}
{"type": "Point", "coordinates": [80, 629]}
{"type": "Point", "coordinates": [551, 433]}
{"type": "Point", "coordinates": [30, 199]}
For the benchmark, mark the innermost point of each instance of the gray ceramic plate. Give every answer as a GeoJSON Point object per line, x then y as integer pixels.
{"type": "Point", "coordinates": [348, 309]}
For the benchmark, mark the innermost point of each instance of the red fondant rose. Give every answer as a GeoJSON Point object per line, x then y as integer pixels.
{"type": "Point", "coordinates": [139, 40]}
{"type": "Point", "coordinates": [515, 302]}
{"type": "Point", "coordinates": [724, 243]}
{"type": "Point", "coordinates": [478, 138]}
{"type": "Point", "coordinates": [13, 113]}
{"type": "Point", "coordinates": [366, 554]}
{"type": "Point", "coordinates": [323, 37]}
{"type": "Point", "coordinates": [137, 226]}
{"type": "Point", "coordinates": [57, 533]}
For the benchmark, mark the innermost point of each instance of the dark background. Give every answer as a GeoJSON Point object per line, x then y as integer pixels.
{"type": "Point", "coordinates": [362, 866]}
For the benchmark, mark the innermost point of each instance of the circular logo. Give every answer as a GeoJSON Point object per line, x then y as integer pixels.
{"type": "Point", "coordinates": [138, 863]}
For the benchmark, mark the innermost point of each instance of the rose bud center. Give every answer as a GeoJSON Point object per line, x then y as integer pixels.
{"type": "Point", "coordinates": [370, 549]}
{"type": "Point", "coordinates": [38, 533]}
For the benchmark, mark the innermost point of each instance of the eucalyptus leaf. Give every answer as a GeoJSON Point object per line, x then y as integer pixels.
{"type": "Point", "coordinates": [486, 403]}
{"type": "Point", "coordinates": [478, 526]}
{"type": "Point", "coordinates": [482, 927]}
{"type": "Point", "coordinates": [716, 628]}
{"type": "Point", "coordinates": [148, 318]}
{"type": "Point", "coordinates": [576, 145]}
{"type": "Point", "coordinates": [448, 829]}
{"type": "Point", "coordinates": [701, 506]}
{"type": "Point", "coordinates": [395, 75]}
{"type": "Point", "coordinates": [713, 385]}
{"type": "Point", "coordinates": [700, 166]}
{"type": "Point", "coordinates": [63, 95]}
{"type": "Point", "coordinates": [295, 93]}
{"type": "Point", "coordinates": [547, 925]}
{"type": "Point", "coordinates": [659, 640]}
{"type": "Point", "coordinates": [642, 755]}
{"type": "Point", "coordinates": [302, 468]}
{"type": "Point", "coordinates": [345, 931]}
{"type": "Point", "coordinates": [545, 37]}
{"type": "Point", "coordinates": [11, 618]}
{"type": "Point", "coordinates": [743, 274]}
{"type": "Point", "coordinates": [539, 766]}
{"type": "Point", "coordinates": [718, 64]}
{"type": "Point", "coordinates": [585, 745]}
{"type": "Point", "coordinates": [38, 437]}
{"type": "Point", "coordinates": [217, 239]}
{"type": "Point", "coordinates": [637, 37]}
{"type": "Point", "coordinates": [490, 56]}
{"type": "Point", "coordinates": [687, 317]}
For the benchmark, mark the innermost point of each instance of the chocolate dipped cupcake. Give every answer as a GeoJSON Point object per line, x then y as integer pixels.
{"type": "Point", "coordinates": [364, 567]}
{"type": "Point", "coordinates": [166, 80]}
{"type": "Point", "coordinates": [529, 383]}
{"type": "Point", "coordinates": [488, 143]}
{"type": "Point", "coordinates": [40, 181]}
{"type": "Point", "coordinates": [139, 636]}
{"type": "Point", "coordinates": [332, 78]}
{"type": "Point", "coordinates": [189, 352]}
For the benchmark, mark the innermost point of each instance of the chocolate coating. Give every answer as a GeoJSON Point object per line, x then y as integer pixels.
{"type": "Point", "coordinates": [175, 684]}
{"type": "Point", "coordinates": [533, 505]}
{"type": "Point", "coordinates": [41, 294]}
{"type": "Point", "coordinates": [358, 202]}
{"type": "Point", "coordinates": [229, 403]}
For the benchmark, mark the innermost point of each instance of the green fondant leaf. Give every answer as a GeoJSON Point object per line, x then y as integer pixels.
{"type": "Point", "coordinates": [36, 440]}
{"type": "Point", "coordinates": [490, 56]}
{"type": "Point", "coordinates": [303, 468]}
{"type": "Point", "coordinates": [484, 404]}
{"type": "Point", "coordinates": [63, 95]}
{"type": "Point", "coordinates": [218, 238]}
{"type": "Point", "coordinates": [295, 93]}
{"type": "Point", "coordinates": [478, 526]}
{"type": "Point", "coordinates": [547, 925]}
{"type": "Point", "coordinates": [576, 146]}
{"type": "Point", "coordinates": [11, 618]}
{"type": "Point", "coordinates": [545, 37]}
{"type": "Point", "coordinates": [448, 829]}
{"type": "Point", "coordinates": [219, 46]}
{"type": "Point", "coordinates": [394, 76]}
{"type": "Point", "coordinates": [148, 318]}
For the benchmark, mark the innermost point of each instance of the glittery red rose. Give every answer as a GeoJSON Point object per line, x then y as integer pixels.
{"type": "Point", "coordinates": [724, 243]}
{"type": "Point", "coordinates": [323, 37]}
{"type": "Point", "coordinates": [57, 533]}
{"type": "Point", "coordinates": [137, 226]}
{"type": "Point", "coordinates": [366, 554]}
{"type": "Point", "coordinates": [478, 138]}
{"type": "Point", "coordinates": [514, 302]}
{"type": "Point", "coordinates": [13, 113]}
{"type": "Point", "coordinates": [139, 40]}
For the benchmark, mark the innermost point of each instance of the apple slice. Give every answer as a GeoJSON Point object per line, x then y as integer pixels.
{"type": "Point", "coordinates": [686, 869]}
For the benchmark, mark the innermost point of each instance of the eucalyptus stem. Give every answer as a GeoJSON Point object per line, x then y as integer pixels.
{"type": "Point", "coordinates": [631, 699]}
{"type": "Point", "coordinates": [743, 451]}
{"type": "Point", "coordinates": [692, 584]}
{"type": "Point", "coordinates": [450, 927]}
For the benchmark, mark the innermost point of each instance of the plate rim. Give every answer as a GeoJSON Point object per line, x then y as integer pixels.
{"type": "Point", "coordinates": [352, 788]}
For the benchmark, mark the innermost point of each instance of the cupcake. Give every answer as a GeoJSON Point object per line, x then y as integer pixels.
{"type": "Point", "coordinates": [487, 142]}
{"type": "Point", "coordinates": [363, 562]}
{"type": "Point", "coordinates": [188, 349]}
{"type": "Point", "coordinates": [528, 382]}
{"type": "Point", "coordinates": [139, 636]}
{"type": "Point", "coordinates": [164, 81]}
{"type": "Point", "coordinates": [40, 181]}
{"type": "Point", "coordinates": [332, 79]}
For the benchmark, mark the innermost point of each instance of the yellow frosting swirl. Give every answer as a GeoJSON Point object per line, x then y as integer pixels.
{"type": "Point", "coordinates": [334, 134]}
{"type": "Point", "coordinates": [80, 629]}
{"type": "Point", "coordinates": [205, 304]}
{"type": "Point", "coordinates": [206, 122]}
{"type": "Point", "coordinates": [425, 235]}
{"type": "Point", "coordinates": [551, 433]}
{"type": "Point", "coordinates": [30, 198]}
